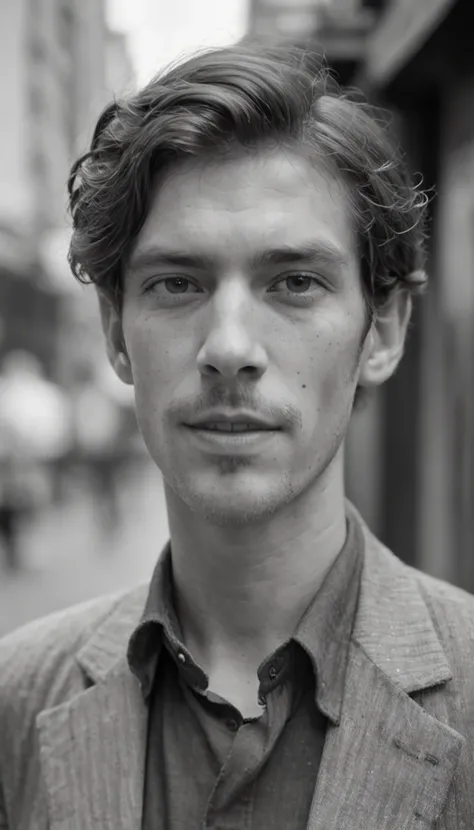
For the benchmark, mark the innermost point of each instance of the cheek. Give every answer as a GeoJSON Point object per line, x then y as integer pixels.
{"type": "Point", "coordinates": [331, 374]}
{"type": "Point", "coordinates": [148, 348]}
{"type": "Point", "coordinates": [150, 362]}
{"type": "Point", "coordinates": [149, 371]}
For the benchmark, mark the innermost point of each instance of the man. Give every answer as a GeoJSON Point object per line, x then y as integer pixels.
{"type": "Point", "coordinates": [255, 242]}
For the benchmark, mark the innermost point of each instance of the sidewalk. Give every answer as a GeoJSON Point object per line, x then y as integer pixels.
{"type": "Point", "coordinates": [69, 557]}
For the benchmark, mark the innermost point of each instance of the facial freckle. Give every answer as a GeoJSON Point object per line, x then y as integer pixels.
{"type": "Point", "coordinates": [303, 386]}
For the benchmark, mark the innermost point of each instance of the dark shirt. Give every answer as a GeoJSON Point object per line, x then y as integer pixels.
{"type": "Point", "coordinates": [208, 767]}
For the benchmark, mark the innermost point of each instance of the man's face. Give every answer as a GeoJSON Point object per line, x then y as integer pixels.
{"type": "Point", "coordinates": [243, 298]}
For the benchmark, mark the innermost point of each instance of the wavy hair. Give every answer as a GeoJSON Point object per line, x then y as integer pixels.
{"type": "Point", "coordinates": [235, 100]}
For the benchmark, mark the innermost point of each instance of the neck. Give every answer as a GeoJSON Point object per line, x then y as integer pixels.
{"type": "Point", "coordinates": [243, 590]}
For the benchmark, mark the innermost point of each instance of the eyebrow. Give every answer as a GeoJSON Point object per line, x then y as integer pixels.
{"type": "Point", "coordinates": [306, 252]}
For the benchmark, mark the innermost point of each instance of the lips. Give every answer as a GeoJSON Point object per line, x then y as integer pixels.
{"type": "Point", "coordinates": [230, 426]}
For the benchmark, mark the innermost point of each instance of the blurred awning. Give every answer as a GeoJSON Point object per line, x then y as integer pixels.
{"type": "Point", "coordinates": [338, 27]}
{"type": "Point", "coordinates": [293, 19]}
{"type": "Point", "coordinates": [403, 29]}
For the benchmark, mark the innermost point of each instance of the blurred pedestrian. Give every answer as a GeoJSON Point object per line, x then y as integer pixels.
{"type": "Point", "coordinates": [97, 419]}
{"type": "Point", "coordinates": [11, 504]}
{"type": "Point", "coordinates": [256, 241]}
{"type": "Point", "coordinates": [35, 432]}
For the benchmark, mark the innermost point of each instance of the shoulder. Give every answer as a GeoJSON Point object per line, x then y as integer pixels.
{"type": "Point", "coordinates": [447, 604]}
{"type": "Point", "coordinates": [451, 608]}
{"type": "Point", "coordinates": [397, 596]}
{"type": "Point", "coordinates": [48, 663]}
{"type": "Point", "coordinates": [38, 662]}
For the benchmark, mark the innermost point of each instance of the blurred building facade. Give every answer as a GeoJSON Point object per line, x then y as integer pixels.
{"type": "Point", "coordinates": [59, 65]}
{"type": "Point", "coordinates": [411, 451]}
{"type": "Point", "coordinates": [420, 63]}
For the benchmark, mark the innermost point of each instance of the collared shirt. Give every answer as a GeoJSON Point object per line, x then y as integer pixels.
{"type": "Point", "coordinates": [206, 766]}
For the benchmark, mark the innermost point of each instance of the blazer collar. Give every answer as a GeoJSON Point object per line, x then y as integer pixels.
{"type": "Point", "coordinates": [108, 644]}
{"type": "Point", "coordinates": [393, 624]}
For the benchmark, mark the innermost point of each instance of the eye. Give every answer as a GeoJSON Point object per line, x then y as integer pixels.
{"type": "Point", "coordinates": [171, 286]}
{"type": "Point", "coordinates": [298, 284]}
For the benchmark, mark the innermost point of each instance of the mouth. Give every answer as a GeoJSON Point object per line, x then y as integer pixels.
{"type": "Point", "coordinates": [230, 426]}
{"type": "Point", "coordinates": [231, 437]}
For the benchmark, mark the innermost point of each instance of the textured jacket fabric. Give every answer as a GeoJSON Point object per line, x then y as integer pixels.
{"type": "Point", "coordinates": [73, 720]}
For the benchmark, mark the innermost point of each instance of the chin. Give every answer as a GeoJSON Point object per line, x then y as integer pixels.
{"type": "Point", "coordinates": [233, 503]}
{"type": "Point", "coordinates": [236, 513]}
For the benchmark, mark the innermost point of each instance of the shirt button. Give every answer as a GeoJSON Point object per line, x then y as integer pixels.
{"type": "Point", "coordinates": [232, 725]}
{"type": "Point", "coordinates": [272, 672]}
{"type": "Point", "coordinates": [181, 657]}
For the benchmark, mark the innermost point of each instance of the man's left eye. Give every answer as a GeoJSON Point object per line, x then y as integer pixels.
{"type": "Point", "coordinates": [297, 283]}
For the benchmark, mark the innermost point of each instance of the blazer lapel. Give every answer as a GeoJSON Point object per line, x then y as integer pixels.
{"type": "Point", "coordinates": [387, 763]}
{"type": "Point", "coordinates": [93, 747]}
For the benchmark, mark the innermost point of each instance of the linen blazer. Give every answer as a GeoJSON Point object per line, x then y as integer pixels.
{"type": "Point", "coordinates": [73, 720]}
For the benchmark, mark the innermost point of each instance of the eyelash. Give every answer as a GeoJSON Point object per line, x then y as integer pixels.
{"type": "Point", "coordinates": [149, 288]}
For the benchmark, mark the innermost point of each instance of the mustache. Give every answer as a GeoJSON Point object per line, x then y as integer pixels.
{"type": "Point", "coordinates": [284, 414]}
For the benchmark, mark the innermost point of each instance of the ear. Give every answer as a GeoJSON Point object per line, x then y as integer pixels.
{"type": "Point", "coordinates": [115, 343]}
{"type": "Point", "coordinates": [385, 342]}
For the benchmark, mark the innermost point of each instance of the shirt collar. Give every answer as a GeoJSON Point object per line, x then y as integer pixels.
{"type": "Point", "coordinates": [324, 631]}
{"type": "Point", "coordinates": [159, 616]}
{"type": "Point", "coordinates": [326, 628]}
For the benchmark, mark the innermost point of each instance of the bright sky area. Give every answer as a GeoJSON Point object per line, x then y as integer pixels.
{"type": "Point", "coordinates": [160, 31]}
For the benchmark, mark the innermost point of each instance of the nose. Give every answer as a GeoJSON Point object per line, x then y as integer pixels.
{"type": "Point", "coordinates": [232, 347]}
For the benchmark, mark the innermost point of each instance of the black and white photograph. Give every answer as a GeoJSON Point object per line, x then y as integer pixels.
{"type": "Point", "coordinates": [237, 415]}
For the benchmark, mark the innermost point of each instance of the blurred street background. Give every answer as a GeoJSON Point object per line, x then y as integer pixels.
{"type": "Point", "coordinates": [81, 505]}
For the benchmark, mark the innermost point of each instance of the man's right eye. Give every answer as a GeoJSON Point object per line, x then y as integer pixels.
{"type": "Point", "coordinates": [172, 285]}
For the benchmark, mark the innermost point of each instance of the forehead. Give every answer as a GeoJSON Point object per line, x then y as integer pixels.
{"type": "Point", "coordinates": [226, 209]}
